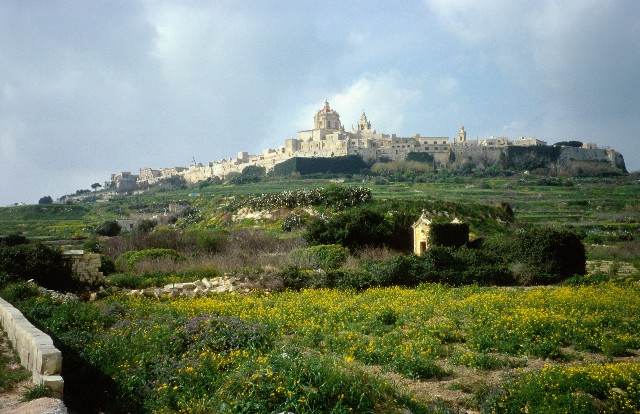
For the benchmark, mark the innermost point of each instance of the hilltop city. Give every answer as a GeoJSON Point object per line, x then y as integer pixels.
{"type": "Point", "coordinates": [329, 139]}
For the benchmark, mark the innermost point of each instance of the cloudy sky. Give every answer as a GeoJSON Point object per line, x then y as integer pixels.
{"type": "Point", "coordinates": [88, 88]}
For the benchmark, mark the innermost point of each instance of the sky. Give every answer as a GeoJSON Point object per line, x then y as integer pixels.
{"type": "Point", "coordinates": [90, 88]}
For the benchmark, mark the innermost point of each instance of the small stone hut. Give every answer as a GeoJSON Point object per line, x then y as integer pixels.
{"type": "Point", "coordinates": [426, 234]}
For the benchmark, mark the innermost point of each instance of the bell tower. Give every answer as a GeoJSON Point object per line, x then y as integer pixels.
{"type": "Point", "coordinates": [461, 139]}
{"type": "Point", "coordinates": [364, 125]}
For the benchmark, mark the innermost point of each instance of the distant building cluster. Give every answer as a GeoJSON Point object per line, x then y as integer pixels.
{"type": "Point", "coordinates": [328, 138]}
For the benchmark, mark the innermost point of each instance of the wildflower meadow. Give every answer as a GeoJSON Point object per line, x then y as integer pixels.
{"type": "Point", "coordinates": [340, 351]}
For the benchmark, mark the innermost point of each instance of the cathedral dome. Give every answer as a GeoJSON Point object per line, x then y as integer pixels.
{"type": "Point", "coordinates": [327, 118]}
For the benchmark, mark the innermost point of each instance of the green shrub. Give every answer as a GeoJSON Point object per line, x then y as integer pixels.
{"type": "Point", "coordinates": [352, 228]}
{"type": "Point", "coordinates": [399, 270]}
{"type": "Point", "coordinates": [18, 291]}
{"type": "Point", "coordinates": [325, 257]}
{"type": "Point", "coordinates": [293, 221]}
{"type": "Point", "coordinates": [548, 255]}
{"type": "Point", "coordinates": [207, 241]}
{"type": "Point", "coordinates": [128, 280]}
{"type": "Point", "coordinates": [92, 245]}
{"type": "Point", "coordinates": [418, 367]}
{"type": "Point", "coordinates": [296, 278]}
{"type": "Point", "coordinates": [107, 265]}
{"type": "Point", "coordinates": [358, 279]}
{"type": "Point", "coordinates": [109, 228]}
{"type": "Point", "coordinates": [127, 261]}
{"type": "Point", "coordinates": [447, 265]}
{"type": "Point", "coordinates": [145, 226]}
{"type": "Point", "coordinates": [585, 389]}
{"type": "Point", "coordinates": [13, 240]}
{"type": "Point", "coordinates": [449, 234]}
{"type": "Point", "coordinates": [45, 265]}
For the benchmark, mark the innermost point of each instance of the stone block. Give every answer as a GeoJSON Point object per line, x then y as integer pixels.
{"type": "Point", "coordinates": [54, 382]}
{"type": "Point", "coordinates": [48, 361]}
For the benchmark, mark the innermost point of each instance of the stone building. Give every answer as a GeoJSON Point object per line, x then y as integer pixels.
{"type": "Point", "coordinates": [421, 235]}
{"type": "Point", "coordinates": [328, 138]}
{"type": "Point", "coordinates": [124, 181]}
{"type": "Point", "coordinates": [426, 234]}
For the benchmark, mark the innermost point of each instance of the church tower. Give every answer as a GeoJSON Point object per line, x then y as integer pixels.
{"type": "Point", "coordinates": [327, 118]}
{"type": "Point", "coordinates": [364, 125]}
{"type": "Point", "coordinates": [461, 139]}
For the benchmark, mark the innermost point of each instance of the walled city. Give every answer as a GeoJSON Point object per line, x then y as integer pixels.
{"type": "Point", "coordinates": [328, 138]}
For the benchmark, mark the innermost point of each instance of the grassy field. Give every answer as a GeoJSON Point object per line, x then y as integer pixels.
{"type": "Point", "coordinates": [568, 348]}
{"type": "Point", "coordinates": [604, 205]}
{"type": "Point", "coordinates": [431, 349]}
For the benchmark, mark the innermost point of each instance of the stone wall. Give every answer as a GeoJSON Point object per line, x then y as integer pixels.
{"type": "Point", "coordinates": [86, 267]}
{"type": "Point", "coordinates": [35, 348]}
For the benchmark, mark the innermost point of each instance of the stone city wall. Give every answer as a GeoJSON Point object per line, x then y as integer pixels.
{"type": "Point", "coordinates": [35, 348]}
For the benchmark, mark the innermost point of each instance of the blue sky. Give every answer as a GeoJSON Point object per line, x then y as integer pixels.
{"type": "Point", "coordinates": [89, 88]}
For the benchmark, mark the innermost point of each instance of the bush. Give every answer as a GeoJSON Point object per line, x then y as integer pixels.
{"type": "Point", "coordinates": [109, 228]}
{"type": "Point", "coordinates": [92, 245]}
{"type": "Point", "coordinates": [325, 257]}
{"type": "Point", "coordinates": [46, 266]}
{"type": "Point", "coordinates": [13, 240]}
{"type": "Point", "coordinates": [145, 226]}
{"type": "Point", "coordinates": [353, 228]}
{"type": "Point", "coordinates": [19, 291]}
{"type": "Point", "coordinates": [107, 266]}
{"type": "Point", "coordinates": [449, 234]}
{"type": "Point", "coordinates": [127, 261]}
{"type": "Point", "coordinates": [547, 255]}
{"type": "Point", "coordinates": [334, 196]}
{"type": "Point", "coordinates": [296, 278]}
{"type": "Point", "coordinates": [446, 265]}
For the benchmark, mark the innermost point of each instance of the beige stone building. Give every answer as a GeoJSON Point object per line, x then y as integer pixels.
{"type": "Point", "coordinates": [421, 235]}
{"type": "Point", "coordinates": [329, 138]}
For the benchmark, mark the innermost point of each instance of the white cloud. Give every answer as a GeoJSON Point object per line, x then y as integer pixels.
{"type": "Point", "coordinates": [385, 97]}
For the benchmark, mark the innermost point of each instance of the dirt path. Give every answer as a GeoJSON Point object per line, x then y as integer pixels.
{"type": "Point", "coordinates": [11, 399]}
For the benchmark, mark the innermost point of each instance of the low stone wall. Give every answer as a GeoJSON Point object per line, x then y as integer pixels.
{"type": "Point", "coordinates": [35, 348]}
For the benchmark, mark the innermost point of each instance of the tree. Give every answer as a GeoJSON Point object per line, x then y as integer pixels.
{"type": "Point", "coordinates": [95, 186]}
{"type": "Point", "coordinates": [546, 255]}
{"type": "Point", "coordinates": [46, 200]}
{"type": "Point", "coordinates": [109, 228]}
{"type": "Point", "coordinates": [145, 226]}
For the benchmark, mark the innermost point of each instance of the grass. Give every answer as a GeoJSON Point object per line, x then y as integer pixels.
{"type": "Point", "coordinates": [11, 373]}
{"type": "Point", "coordinates": [343, 351]}
{"type": "Point", "coordinates": [607, 206]}
{"type": "Point", "coordinates": [35, 392]}
{"type": "Point", "coordinates": [314, 351]}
